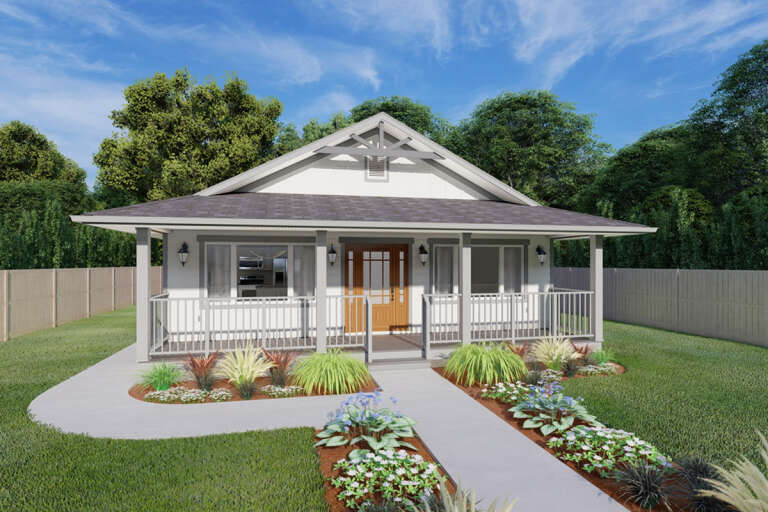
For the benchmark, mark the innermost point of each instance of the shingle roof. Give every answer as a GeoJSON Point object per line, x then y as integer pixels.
{"type": "Point", "coordinates": [288, 207]}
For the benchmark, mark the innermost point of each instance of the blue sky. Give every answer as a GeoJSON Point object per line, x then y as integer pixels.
{"type": "Point", "coordinates": [636, 65]}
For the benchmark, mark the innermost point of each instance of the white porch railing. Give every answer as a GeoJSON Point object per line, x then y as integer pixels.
{"type": "Point", "coordinates": [509, 316]}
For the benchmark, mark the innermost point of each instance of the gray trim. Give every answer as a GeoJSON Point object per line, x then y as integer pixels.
{"type": "Point", "coordinates": [373, 240]}
{"type": "Point", "coordinates": [443, 241]}
{"type": "Point", "coordinates": [240, 239]}
{"type": "Point", "coordinates": [164, 283]}
{"type": "Point", "coordinates": [501, 241]}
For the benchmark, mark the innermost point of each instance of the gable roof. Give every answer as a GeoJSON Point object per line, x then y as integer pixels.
{"type": "Point", "coordinates": [392, 126]}
{"type": "Point", "coordinates": [263, 210]}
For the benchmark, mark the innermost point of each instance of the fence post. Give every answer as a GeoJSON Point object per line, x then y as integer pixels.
{"type": "Point", "coordinates": [426, 326]}
{"type": "Point", "coordinates": [368, 330]}
{"type": "Point", "coordinates": [54, 296]}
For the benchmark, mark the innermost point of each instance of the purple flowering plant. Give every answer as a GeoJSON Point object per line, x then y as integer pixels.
{"type": "Point", "coordinates": [546, 408]}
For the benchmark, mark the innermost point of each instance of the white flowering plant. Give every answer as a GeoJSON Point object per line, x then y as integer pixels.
{"type": "Point", "coordinates": [599, 449]}
{"type": "Point", "coordinates": [507, 392]}
{"type": "Point", "coordinates": [597, 369]}
{"type": "Point", "coordinates": [187, 395]}
{"type": "Point", "coordinates": [281, 391]}
{"type": "Point", "coordinates": [549, 376]}
{"type": "Point", "coordinates": [385, 475]}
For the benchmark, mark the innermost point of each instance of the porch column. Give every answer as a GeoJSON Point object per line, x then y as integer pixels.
{"type": "Point", "coordinates": [596, 283]}
{"type": "Point", "coordinates": [321, 287]}
{"type": "Point", "coordinates": [143, 287]}
{"type": "Point", "coordinates": [465, 287]}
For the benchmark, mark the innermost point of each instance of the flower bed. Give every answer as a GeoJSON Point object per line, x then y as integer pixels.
{"type": "Point", "coordinates": [193, 395]}
{"type": "Point", "coordinates": [579, 446]}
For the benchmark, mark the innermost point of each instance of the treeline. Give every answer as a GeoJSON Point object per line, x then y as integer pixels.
{"type": "Point", "coordinates": [703, 181]}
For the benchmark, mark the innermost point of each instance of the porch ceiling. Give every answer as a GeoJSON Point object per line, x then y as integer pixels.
{"type": "Point", "coordinates": [337, 212]}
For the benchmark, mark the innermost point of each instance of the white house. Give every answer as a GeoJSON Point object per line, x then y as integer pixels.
{"type": "Point", "coordinates": [374, 239]}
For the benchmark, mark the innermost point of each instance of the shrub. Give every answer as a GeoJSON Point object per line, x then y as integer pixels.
{"type": "Point", "coordinates": [547, 409]}
{"type": "Point", "coordinates": [582, 350]}
{"type": "Point", "coordinates": [330, 373]}
{"type": "Point", "coordinates": [600, 357]}
{"type": "Point", "coordinates": [282, 361]}
{"type": "Point", "coordinates": [242, 367]}
{"type": "Point", "coordinates": [554, 352]}
{"type": "Point", "coordinates": [202, 369]}
{"type": "Point", "coordinates": [360, 421]}
{"type": "Point", "coordinates": [694, 475]}
{"type": "Point", "coordinates": [484, 364]}
{"type": "Point", "coordinates": [385, 476]}
{"type": "Point", "coordinates": [744, 486]}
{"type": "Point", "coordinates": [520, 350]}
{"type": "Point", "coordinates": [571, 367]}
{"type": "Point", "coordinates": [532, 377]}
{"type": "Point", "coordinates": [459, 501]}
{"type": "Point", "coordinates": [599, 449]}
{"type": "Point", "coordinates": [642, 484]}
{"type": "Point", "coordinates": [161, 376]}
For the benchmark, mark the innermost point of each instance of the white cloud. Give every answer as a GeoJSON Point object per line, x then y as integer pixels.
{"type": "Point", "coordinates": [428, 21]}
{"type": "Point", "coordinates": [328, 104]}
{"type": "Point", "coordinates": [557, 34]}
{"type": "Point", "coordinates": [18, 13]}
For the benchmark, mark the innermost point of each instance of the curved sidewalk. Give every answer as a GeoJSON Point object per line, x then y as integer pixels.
{"type": "Point", "coordinates": [475, 447]}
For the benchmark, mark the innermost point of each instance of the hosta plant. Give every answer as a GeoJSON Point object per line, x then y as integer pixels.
{"type": "Point", "coordinates": [359, 421]}
{"type": "Point", "coordinates": [484, 363]}
{"type": "Point", "coordinates": [459, 501]}
{"type": "Point", "coordinates": [554, 352]}
{"type": "Point", "coordinates": [385, 476]}
{"type": "Point", "coordinates": [598, 449]}
{"type": "Point", "coordinates": [161, 376]}
{"type": "Point", "coordinates": [242, 367]}
{"type": "Point", "coordinates": [547, 409]}
{"type": "Point", "coordinates": [643, 484]}
{"type": "Point", "coordinates": [333, 372]}
{"type": "Point", "coordinates": [202, 368]}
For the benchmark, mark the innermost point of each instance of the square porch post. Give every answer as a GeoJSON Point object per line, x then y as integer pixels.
{"type": "Point", "coordinates": [596, 284]}
{"type": "Point", "coordinates": [321, 288]}
{"type": "Point", "coordinates": [465, 287]}
{"type": "Point", "coordinates": [143, 287]}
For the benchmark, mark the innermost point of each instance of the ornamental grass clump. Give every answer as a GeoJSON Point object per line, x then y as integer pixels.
{"type": "Point", "coordinates": [694, 476]}
{"type": "Point", "coordinates": [484, 363]}
{"type": "Point", "coordinates": [643, 484]}
{"type": "Point", "coordinates": [554, 352]}
{"type": "Point", "coordinates": [202, 369]}
{"type": "Point", "coordinates": [459, 501]}
{"type": "Point", "coordinates": [283, 361]}
{"type": "Point", "coordinates": [161, 376]}
{"type": "Point", "coordinates": [330, 373]}
{"type": "Point", "coordinates": [745, 485]}
{"type": "Point", "coordinates": [242, 367]}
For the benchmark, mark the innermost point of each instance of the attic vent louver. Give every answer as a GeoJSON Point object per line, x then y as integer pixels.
{"type": "Point", "coordinates": [377, 167]}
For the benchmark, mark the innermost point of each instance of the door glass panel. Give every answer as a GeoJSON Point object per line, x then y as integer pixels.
{"type": "Point", "coordinates": [402, 277]}
{"type": "Point", "coordinates": [351, 272]}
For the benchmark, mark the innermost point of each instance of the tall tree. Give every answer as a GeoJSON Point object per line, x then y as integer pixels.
{"type": "Point", "coordinates": [416, 115]}
{"type": "Point", "coordinates": [28, 155]}
{"type": "Point", "coordinates": [178, 137]}
{"type": "Point", "coordinates": [534, 142]}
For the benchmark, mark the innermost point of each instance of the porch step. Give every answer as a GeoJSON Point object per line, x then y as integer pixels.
{"type": "Point", "coordinates": [387, 355]}
{"type": "Point", "coordinates": [399, 364]}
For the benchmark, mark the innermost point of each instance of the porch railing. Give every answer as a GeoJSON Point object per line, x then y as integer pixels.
{"type": "Point", "coordinates": [508, 316]}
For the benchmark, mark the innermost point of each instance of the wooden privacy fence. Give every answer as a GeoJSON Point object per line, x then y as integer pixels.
{"type": "Point", "coordinates": [727, 304]}
{"type": "Point", "coordinates": [36, 299]}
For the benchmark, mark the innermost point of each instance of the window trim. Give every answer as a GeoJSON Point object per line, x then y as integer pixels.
{"type": "Point", "coordinates": [500, 246]}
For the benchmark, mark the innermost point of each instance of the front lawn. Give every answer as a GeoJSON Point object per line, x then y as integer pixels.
{"type": "Point", "coordinates": [684, 394]}
{"type": "Point", "coordinates": [42, 469]}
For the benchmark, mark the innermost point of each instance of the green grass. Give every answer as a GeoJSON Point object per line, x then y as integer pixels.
{"type": "Point", "coordinates": [42, 469]}
{"type": "Point", "coordinates": [685, 394]}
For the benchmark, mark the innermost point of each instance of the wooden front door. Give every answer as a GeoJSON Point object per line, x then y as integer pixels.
{"type": "Point", "coordinates": [379, 272]}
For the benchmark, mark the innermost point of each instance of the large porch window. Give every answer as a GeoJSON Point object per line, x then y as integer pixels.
{"type": "Point", "coordinates": [259, 270]}
{"type": "Point", "coordinates": [495, 269]}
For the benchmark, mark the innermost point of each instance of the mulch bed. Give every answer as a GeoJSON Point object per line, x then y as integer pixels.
{"type": "Point", "coordinates": [329, 456]}
{"type": "Point", "coordinates": [138, 392]}
{"type": "Point", "coordinates": [607, 485]}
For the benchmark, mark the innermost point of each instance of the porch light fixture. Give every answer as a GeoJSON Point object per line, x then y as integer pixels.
{"type": "Point", "coordinates": [332, 255]}
{"type": "Point", "coordinates": [423, 254]}
{"type": "Point", "coordinates": [183, 253]}
{"type": "Point", "coordinates": [542, 254]}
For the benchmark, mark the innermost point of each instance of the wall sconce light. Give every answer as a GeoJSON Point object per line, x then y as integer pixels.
{"type": "Point", "coordinates": [542, 254]}
{"type": "Point", "coordinates": [332, 255]}
{"type": "Point", "coordinates": [183, 254]}
{"type": "Point", "coordinates": [423, 254]}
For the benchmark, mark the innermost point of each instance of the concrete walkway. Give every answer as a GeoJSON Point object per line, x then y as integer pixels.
{"type": "Point", "coordinates": [475, 446]}
{"type": "Point", "coordinates": [486, 454]}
